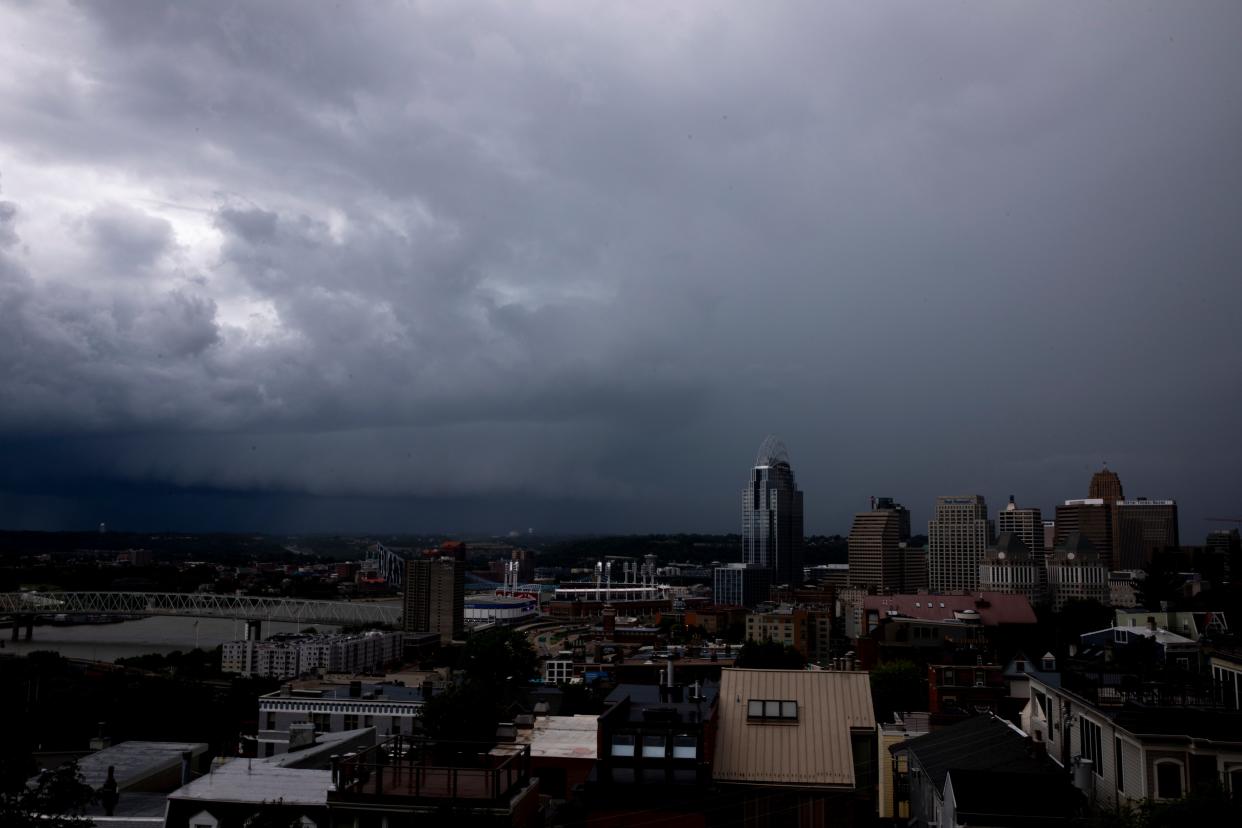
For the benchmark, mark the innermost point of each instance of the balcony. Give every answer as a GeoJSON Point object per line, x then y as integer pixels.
{"type": "Point", "coordinates": [408, 770]}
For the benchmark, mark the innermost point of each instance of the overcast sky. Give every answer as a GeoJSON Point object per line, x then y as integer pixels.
{"type": "Point", "coordinates": [476, 266]}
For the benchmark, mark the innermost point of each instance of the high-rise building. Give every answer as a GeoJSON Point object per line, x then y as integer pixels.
{"type": "Point", "coordinates": [877, 552]}
{"type": "Point", "coordinates": [1106, 486]}
{"type": "Point", "coordinates": [1009, 566]}
{"type": "Point", "coordinates": [1093, 517]}
{"type": "Point", "coordinates": [1028, 524]}
{"type": "Point", "coordinates": [1076, 571]}
{"type": "Point", "coordinates": [435, 597]}
{"type": "Point", "coordinates": [739, 585]}
{"type": "Point", "coordinates": [772, 516]}
{"type": "Point", "coordinates": [957, 537]}
{"type": "Point", "coordinates": [1142, 528]}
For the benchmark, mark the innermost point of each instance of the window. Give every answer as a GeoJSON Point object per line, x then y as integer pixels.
{"type": "Point", "coordinates": [771, 710]}
{"type": "Point", "coordinates": [1089, 744]}
{"type": "Point", "coordinates": [1117, 763]}
{"type": "Point", "coordinates": [367, 721]}
{"type": "Point", "coordinates": [1168, 780]}
{"type": "Point", "coordinates": [1121, 636]}
{"type": "Point", "coordinates": [622, 744]}
{"type": "Point", "coordinates": [351, 721]}
{"type": "Point", "coordinates": [271, 720]}
{"type": "Point", "coordinates": [653, 746]}
{"type": "Point", "coordinates": [685, 747]}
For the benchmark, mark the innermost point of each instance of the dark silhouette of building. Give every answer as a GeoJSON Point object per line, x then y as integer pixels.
{"type": "Point", "coordinates": [1093, 518]}
{"type": "Point", "coordinates": [772, 516]}
{"type": "Point", "coordinates": [877, 552]}
{"type": "Point", "coordinates": [435, 597]}
{"type": "Point", "coordinates": [1142, 528]}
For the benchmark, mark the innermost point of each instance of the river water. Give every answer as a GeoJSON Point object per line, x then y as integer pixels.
{"type": "Point", "coordinates": [158, 634]}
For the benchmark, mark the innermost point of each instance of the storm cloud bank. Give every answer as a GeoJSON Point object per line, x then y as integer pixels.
{"type": "Point", "coordinates": [410, 266]}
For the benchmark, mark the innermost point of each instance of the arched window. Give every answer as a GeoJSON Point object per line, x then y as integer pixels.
{"type": "Point", "coordinates": [1169, 779]}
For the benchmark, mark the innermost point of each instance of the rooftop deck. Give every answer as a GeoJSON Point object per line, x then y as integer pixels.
{"type": "Point", "coordinates": [411, 769]}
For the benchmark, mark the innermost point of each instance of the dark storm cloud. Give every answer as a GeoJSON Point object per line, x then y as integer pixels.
{"type": "Point", "coordinates": [589, 255]}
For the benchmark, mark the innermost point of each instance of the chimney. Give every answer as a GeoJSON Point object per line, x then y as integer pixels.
{"type": "Point", "coordinates": [426, 688]}
{"type": "Point", "coordinates": [185, 767]}
{"type": "Point", "coordinates": [1151, 623]}
{"type": "Point", "coordinates": [669, 674]}
{"type": "Point", "coordinates": [355, 689]}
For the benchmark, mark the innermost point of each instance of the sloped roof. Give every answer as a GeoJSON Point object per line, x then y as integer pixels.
{"type": "Point", "coordinates": [816, 751]}
{"type": "Point", "coordinates": [993, 607]}
{"type": "Point", "coordinates": [1011, 798]}
{"type": "Point", "coordinates": [979, 743]}
{"type": "Point", "coordinates": [1012, 546]}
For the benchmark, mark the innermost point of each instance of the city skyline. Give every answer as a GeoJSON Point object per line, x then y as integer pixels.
{"type": "Point", "coordinates": [471, 269]}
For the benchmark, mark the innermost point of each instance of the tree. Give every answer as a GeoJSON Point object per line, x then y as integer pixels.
{"type": "Point", "coordinates": [500, 658]}
{"type": "Point", "coordinates": [769, 656]}
{"type": "Point", "coordinates": [57, 799]}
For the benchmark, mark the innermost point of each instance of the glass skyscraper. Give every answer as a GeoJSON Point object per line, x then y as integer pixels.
{"type": "Point", "coordinates": [772, 516]}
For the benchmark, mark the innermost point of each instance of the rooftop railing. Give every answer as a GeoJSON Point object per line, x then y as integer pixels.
{"type": "Point", "coordinates": [414, 768]}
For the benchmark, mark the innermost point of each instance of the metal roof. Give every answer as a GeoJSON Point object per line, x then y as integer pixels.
{"type": "Point", "coordinates": [814, 751]}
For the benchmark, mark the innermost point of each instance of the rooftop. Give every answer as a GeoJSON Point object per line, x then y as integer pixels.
{"type": "Point", "coordinates": [562, 737]}
{"type": "Point", "coordinates": [815, 749]}
{"type": "Point", "coordinates": [135, 761]}
{"type": "Point", "coordinates": [979, 743]}
{"type": "Point", "coordinates": [993, 607]}
{"type": "Point", "coordinates": [1007, 798]}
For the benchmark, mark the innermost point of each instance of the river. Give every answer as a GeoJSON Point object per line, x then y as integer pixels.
{"type": "Point", "coordinates": [157, 634]}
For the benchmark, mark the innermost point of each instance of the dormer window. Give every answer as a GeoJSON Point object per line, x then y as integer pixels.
{"type": "Point", "coordinates": [771, 710]}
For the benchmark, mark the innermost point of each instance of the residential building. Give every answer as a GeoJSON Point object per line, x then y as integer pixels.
{"type": "Point", "coordinates": [741, 585]}
{"type": "Point", "coordinates": [1028, 524]}
{"type": "Point", "coordinates": [957, 537]}
{"type": "Point", "coordinates": [1009, 566]}
{"type": "Point", "coordinates": [1076, 572]}
{"type": "Point", "coordinates": [435, 597]}
{"type": "Point", "coordinates": [1194, 624]}
{"type": "Point", "coordinates": [965, 689]}
{"type": "Point", "coordinates": [654, 756]}
{"type": "Point", "coordinates": [894, 802]}
{"type": "Point", "coordinates": [1142, 528]}
{"type": "Point", "coordinates": [332, 708]}
{"type": "Point", "coordinates": [1136, 741]}
{"type": "Point", "coordinates": [877, 552]}
{"type": "Point", "coordinates": [404, 781]}
{"type": "Point", "coordinates": [291, 655]}
{"type": "Point", "coordinates": [1092, 518]}
{"type": "Point", "coordinates": [796, 747]}
{"type": "Point", "coordinates": [563, 749]}
{"type": "Point", "coordinates": [772, 536]}
{"type": "Point", "coordinates": [288, 789]}
{"type": "Point", "coordinates": [987, 609]}
{"type": "Point", "coordinates": [951, 770]}
{"type": "Point", "coordinates": [1142, 645]}
{"type": "Point", "coordinates": [1123, 587]}
{"type": "Point", "coordinates": [1226, 666]}
{"type": "Point", "coordinates": [805, 629]}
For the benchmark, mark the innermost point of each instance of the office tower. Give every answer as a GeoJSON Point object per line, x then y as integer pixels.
{"type": "Point", "coordinates": [739, 585]}
{"type": "Point", "coordinates": [1142, 528]}
{"type": "Point", "coordinates": [1009, 566]}
{"type": "Point", "coordinates": [877, 554]}
{"type": "Point", "coordinates": [903, 515]}
{"type": "Point", "coordinates": [1027, 523]}
{"type": "Point", "coordinates": [1093, 517]}
{"type": "Point", "coordinates": [1106, 486]}
{"type": "Point", "coordinates": [913, 568]}
{"type": "Point", "coordinates": [435, 597]}
{"type": "Point", "coordinates": [772, 516]}
{"type": "Point", "coordinates": [957, 537]}
{"type": "Point", "coordinates": [1050, 535]}
{"type": "Point", "coordinates": [1076, 572]}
